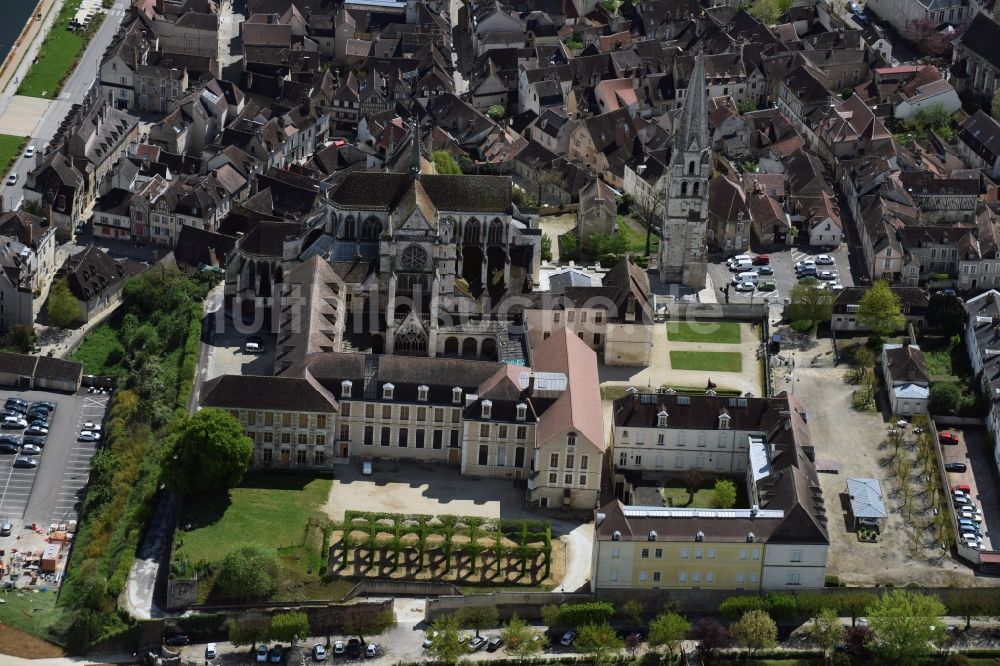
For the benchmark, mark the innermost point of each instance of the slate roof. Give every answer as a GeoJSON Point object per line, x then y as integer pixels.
{"type": "Point", "coordinates": [982, 37]}
{"type": "Point", "coordinates": [907, 364]}
{"type": "Point", "coordinates": [272, 393]}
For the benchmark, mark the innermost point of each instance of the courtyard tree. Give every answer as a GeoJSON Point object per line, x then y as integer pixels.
{"type": "Point", "coordinates": [755, 631]}
{"type": "Point", "coordinates": [945, 398]}
{"type": "Point", "coordinates": [881, 310]}
{"type": "Point", "coordinates": [520, 639]}
{"type": "Point", "coordinates": [496, 111]}
{"type": "Point", "coordinates": [445, 164]}
{"type": "Point", "coordinates": [446, 644]}
{"type": "Point", "coordinates": [810, 302]}
{"type": "Point", "coordinates": [248, 573]}
{"type": "Point", "coordinates": [483, 617]}
{"type": "Point", "coordinates": [288, 626]}
{"type": "Point", "coordinates": [546, 247]}
{"type": "Point", "coordinates": [905, 626]}
{"type": "Point", "coordinates": [551, 615]}
{"type": "Point", "coordinates": [711, 637]}
{"type": "Point", "coordinates": [208, 451]}
{"type": "Point", "coordinates": [63, 308]}
{"type": "Point", "coordinates": [247, 631]}
{"type": "Point", "coordinates": [724, 494]}
{"type": "Point", "coordinates": [599, 641]}
{"type": "Point", "coordinates": [668, 630]}
{"type": "Point", "coordinates": [826, 630]}
{"type": "Point", "coordinates": [946, 314]}
{"type": "Point", "coordinates": [20, 338]}
{"type": "Point", "coordinates": [973, 603]}
{"type": "Point", "coordinates": [631, 610]}
{"type": "Point", "coordinates": [363, 624]}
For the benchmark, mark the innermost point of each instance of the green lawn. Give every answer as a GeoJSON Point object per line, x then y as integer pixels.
{"type": "Point", "coordinates": [100, 352]}
{"type": "Point", "coordinates": [10, 148]}
{"type": "Point", "coordinates": [707, 361]}
{"type": "Point", "coordinates": [34, 613]}
{"type": "Point", "coordinates": [269, 510]}
{"type": "Point", "coordinates": [720, 332]}
{"type": "Point", "coordinates": [635, 233]}
{"type": "Point", "coordinates": [675, 492]}
{"type": "Point", "coordinates": [57, 56]}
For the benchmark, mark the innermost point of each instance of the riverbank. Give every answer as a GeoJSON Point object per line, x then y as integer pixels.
{"type": "Point", "coordinates": [32, 32]}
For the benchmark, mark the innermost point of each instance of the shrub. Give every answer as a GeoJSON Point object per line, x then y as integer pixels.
{"type": "Point", "coordinates": [733, 608]}
{"type": "Point", "coordinates": [248, 573]}
{"type": "Point", "coordinates": [802, 325]}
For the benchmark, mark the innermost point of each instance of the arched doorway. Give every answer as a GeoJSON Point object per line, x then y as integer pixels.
{"type": "Point", "coordinates": [488, 351]}
{"type": "Point", "coordinates": [451, 347]}
{"type": "Point", "coordinates": [470, 348]}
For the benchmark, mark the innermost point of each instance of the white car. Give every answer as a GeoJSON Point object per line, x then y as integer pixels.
{"type": "Point", "coordinates": [210, 652]}
{"type": "Point", "coordinates": [338, 647]}
{"type": "Point", "coordinates": [319, 652]}
{"type": "Point", "coordinates": [29, 152]}
{"type": "Point", "coordinates": [824, 260]}
{"type": "Point", "coordinates": [836, 287]}
{"type": "Point", "coordinates": [805, 263]}
{"type": "Point", "coordinates": [31, 449]}
{"type": "Point", "coordinates": [88, 436]}
{"type": "Point", "coordinates": [12, 178]}
{"type": "Point", "coordinates": [970, 514]}
{"type": "Point", "coordinates": [371, 651]}
{"type": "Point", "coordinates": [746, 286]}
{"type": "Point", "coordinates": [92, 427]}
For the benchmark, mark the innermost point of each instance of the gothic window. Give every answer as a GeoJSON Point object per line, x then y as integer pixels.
{"type": "Point", "coordinates": [414, 258]}
{"type": "Point", "coordinates": [371, 229]}
{"type": "Point", "coordinates": [691, 168]}
{"type": "Point", "coordinates": [471, 231]}
{"type": "Point", "coordinates": [496, 233]}
{"type": "Point", "coordinates": [696, 188]}
{"type": "Point", "coordinates": [411, 341]}
{"type": "Point", "coordinates": [349, 230]}
{"type": "Point", "coordinates": [684, 189]}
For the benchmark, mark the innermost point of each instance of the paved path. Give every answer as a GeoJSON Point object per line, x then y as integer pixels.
{"type": "Point", "coordinates": [579, 553]}
{"type": "Point", "coordinates": [25, 48]}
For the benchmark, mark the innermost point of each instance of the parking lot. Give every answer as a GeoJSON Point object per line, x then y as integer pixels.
{"type": "Point", "coordinates": [227, 355]}
{"type": "Point", "coordinates": [50, 493]}
{"type": "Point", "coordinates": [973, 449]}
{"type": "Point", "coordinates": [783, 265]}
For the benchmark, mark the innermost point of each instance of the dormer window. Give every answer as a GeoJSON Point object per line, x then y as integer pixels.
{"type": "Point", "coordinates": [571, 439]}
{"type": "Point", "coordinates": [699, 536]}
{"type": "Point", "coordinates": [422, 393]}
{"type": "Point", "coordinates": [522, 411]}
{"type": "Point", "coordinates": [387, 390]}
{"type": "Point", "coordinates": [724, 421]}
{"type": "Point", "coordinates": [487, 409]}
{"type": "Point", "coordinates": [661, 420]}
{"type": "Point", "coordinates": [345, 389]}
{"type": "Point", "coordinates": [456, 395]}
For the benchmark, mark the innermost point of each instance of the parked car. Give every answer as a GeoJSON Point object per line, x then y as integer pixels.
{"type": "Point", "coordinates": [6, 528]}
{"type": "Point", "coordinates": [7, 447]}
{"type": "Point", "coordinates": [254, 345]}
{"type": "Point", "coordinates": [962, 500]}
{"type": "Point", "coordinates": [319, 652]}
{"type": "Point", "coordinates": [36, 431]}
{"type": "Point", "coordinates": [761, 260]}
{"type": "Point", "coordinates": [478, 643]}
{"type": "Point", "coordinates": [29, 152]}
{"type": "Point", "coordinates": [14, 423]}
{"type": "Point", "coordinates": [494, 644]}
{"type": "Point", "coordinates": [767, 285]}
{"type": "Point", "coordinates": [210, 652]}
{"type": "Point", "coordinates": [371, 651]}
{"type": "Point", "coordinates": [88, 436]}
{"type": "Point", "coordinates": [33, 439]}
{"type": "Point", "coordinates": [765, 270]}
{"type": "Point", "coordinates": [277, 654]}
{"type": "Point", "coordinates": [44, 404]}
{"type": "Point", "coordinates": [14, 400]}
{"type": "Point", "coordinates": [827, 276]}
{"type": "Point", "coordinates": [12, 178]}
{"type": "Point", "coordinates": [338, 647]}
{"type": "Point", "coordinates": [261, 654]}
{"type": "Point", "coordinates": [955, 467]}
{"type": "Point", "coordinates": [568, 638]}
{"type": "Point", "coordinates": [969, 514]}
{"type": "Point", "coordinates": [964, 487]}
{"type": "Point", "coordinates": [353, 647]}
{"type": "Point", "coordinates": [31, 449]}
{"type": "Point", "coordinates": [824, 260]}
{"type": "Point", "coordinates": [948, 438]}
{"type": "Point", "coordinates": [176, 640]}
{"type": "Point", "coordinates": [746, 286]}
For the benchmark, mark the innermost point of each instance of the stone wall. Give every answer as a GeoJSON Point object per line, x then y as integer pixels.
{"type": "Point", "coordinates": [736, 311]}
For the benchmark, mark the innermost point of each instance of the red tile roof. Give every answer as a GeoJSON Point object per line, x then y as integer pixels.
{"type": "Point", "coordinates": [579, 407]}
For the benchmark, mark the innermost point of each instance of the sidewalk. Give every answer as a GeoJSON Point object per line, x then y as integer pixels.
{"type": "Point", "coordinates": [15, 66]}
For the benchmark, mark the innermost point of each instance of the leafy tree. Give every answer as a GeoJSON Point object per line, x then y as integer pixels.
{"type": "Point", "coordinates": [248, 631]}
{"type": "Point", "coordinates": [881, 310]}
{"type": "Point", "coordinates": [809, 302]}
{"type": "Point", "coordinates": [711, 637]}
{"type": "Point", "coordinates": [496, 112]}
{"type": "Point", "coordinates": [369, 624]}
{"type": "Point", "coordinates": [826, 630]}
{"type": "Point", "coordinates": [945, 313]}
{"type": "Point", "coordinates": [569, 247]}
{"type": "Point", "coordinates": [445, 164]}
{"type": "Point", "coordinates": [593, 612]}
{"type": "Point", "coordinates": [248, 573]}
{"type": "Point", "coordinates": [546, 247]}
{"type": "Point", "coordinates": [780, 606]}
{"type": "Point", "coordinates": [551, 615]}
{"type": "Point", "coordinates": [973, 603]}
{"type": "Point", "coordinates": [286, 626]}
{"type": "Point", "coordinates": [599, 244]}
{"type": "Point", "coordinates": [21, 338]}
{"type": "Point", "coordinates": [945, 398]}
{"type": "Point", "coordinates": [479, 618]}
{"type": "Point", "coordinates": [63, 308]}
{"type": "Point", "coordinates": [746, 106]}
{"type": "Point", "coordinates": [208, 451]}
{"type": "Point", "coordinates": [755, 631]}
{"type": "Point", "coordinates": [905, 625]}
{"type": "Point", "coordinates": [735, 607]}
{"type": "Point", "coordinates": [933, 119]}
{"type": "Point", "coordinates": [520, 640]}
{"type": "Point", "coordinates": [724, 494]}
{"type": "Point", "coordinates": [995, 106]}
{"type": "Point", "coordinates": [445, 644]}
{"type": "Point", "coordinates": [631, 610]}
{"type": "Point", "coordinates": [598, 640]}
{"type": "Point", "coordinates": [668, 629]}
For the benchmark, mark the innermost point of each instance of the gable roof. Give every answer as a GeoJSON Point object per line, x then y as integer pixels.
{"type": "Point", "coordinates": [579, 406]}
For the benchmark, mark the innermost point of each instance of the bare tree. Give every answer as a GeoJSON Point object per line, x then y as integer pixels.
{"type": "Point", "coordinates": [650, 202]}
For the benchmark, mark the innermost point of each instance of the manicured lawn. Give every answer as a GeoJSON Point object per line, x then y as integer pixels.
{"type": "Point", "coordinates": [635, 233]}
{"type": "Point", "coordinates": [57, 55]}
{"type": "Point", "coordinates": [270, 510]}
{"type": "Point", "coordinates": [10, 147]}
{"type": "Point", "coordinates": [675, 492]}
{"type": "Point", "coordinates": [707, 361]}
{"type": "Point", "coordinates": [720, 332]}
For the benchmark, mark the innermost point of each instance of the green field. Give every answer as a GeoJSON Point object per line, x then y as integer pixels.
{"type": "Point", "coordinates": [100, 352]}
{"type": "Point", "coordinates": [35, 613]}
{"type": "Point", "coordinates": [676, 493]}
{"type": "Point", "coordinates": [707, 361]}
{"type": "Point", "coordinates": [269, 510]}
{"type": "Point", "coordinates": [719, 332]}
{"type": "Point", "coordinates": [10, 148]}
{"type": "Point", "coordinates": [58, 55]}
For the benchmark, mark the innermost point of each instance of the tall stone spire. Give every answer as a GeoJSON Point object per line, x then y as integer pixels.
{"type": "Point", "coordinates": [692, 125]}
{"type": "Point", "coordinates": [415, 146]}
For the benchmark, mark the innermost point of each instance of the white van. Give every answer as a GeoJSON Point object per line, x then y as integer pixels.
{"type": "Point", "coordinates": [741, 267]}
{"type": "Point", "coordinates": [740, 259]}
{"type": "Point", "coordinates": [748, 276]}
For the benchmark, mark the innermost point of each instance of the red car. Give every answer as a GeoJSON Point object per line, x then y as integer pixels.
{"type": "Point", "coordinates": [761, 260]}
{"type": "Point", "coordinates": [948, 438]}
{"type": "Point", "coordinates": [964, 487]}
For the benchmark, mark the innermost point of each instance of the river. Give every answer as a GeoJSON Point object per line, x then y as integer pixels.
{"type": "Point", "coordinates": [17, 13]}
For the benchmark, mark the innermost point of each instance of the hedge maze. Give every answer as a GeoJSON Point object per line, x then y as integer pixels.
{"type": "Point", "coordinates": [464, 550]}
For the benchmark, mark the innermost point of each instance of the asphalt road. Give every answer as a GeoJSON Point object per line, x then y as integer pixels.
{"type": "Point", "coordinates": [77, 85]}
